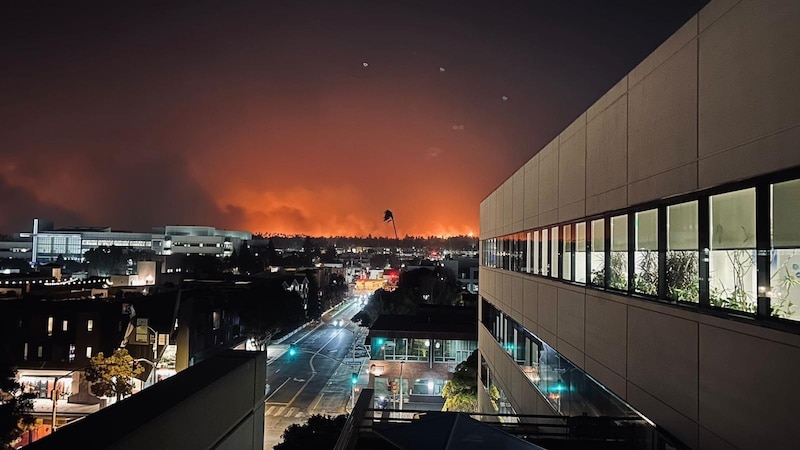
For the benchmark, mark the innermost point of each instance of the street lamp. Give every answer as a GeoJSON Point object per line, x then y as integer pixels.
{"type": "Point", "coordinates": [401, 384]}
{"type": "Point", "coordinates": [56, 392]}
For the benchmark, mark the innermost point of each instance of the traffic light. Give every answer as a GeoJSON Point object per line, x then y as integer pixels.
{"type": "Point", "coordinates": [354, 378]}
{"type": "Point", "coordinates": [379, 342]}
{"type": "Point", "coordinates": [558, 388]}
{"type": "Point", "coordinates": [292, 350]}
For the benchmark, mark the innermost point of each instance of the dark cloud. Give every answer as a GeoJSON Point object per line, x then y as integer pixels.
{"type": "Point", "coordinates": [261, 116]}
{"type": "Point", "coordinates": [20, 207]}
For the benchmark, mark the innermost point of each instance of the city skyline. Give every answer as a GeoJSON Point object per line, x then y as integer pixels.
{"type": "Point", "coordinates": [286, 118]}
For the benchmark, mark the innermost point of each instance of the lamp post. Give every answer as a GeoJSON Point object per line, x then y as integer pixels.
{"type": "Point", "coordinates": [153, 364]}
{"type": "Point", "coordinates": [155, 353]}
{"type": "Point", "coordinates": [400, 387]}
{"type": "Point", "coordinates": [57, 393]}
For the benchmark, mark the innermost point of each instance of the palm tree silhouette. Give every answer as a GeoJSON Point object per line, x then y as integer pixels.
{"type": "Point", "coordinates": [389, 217]}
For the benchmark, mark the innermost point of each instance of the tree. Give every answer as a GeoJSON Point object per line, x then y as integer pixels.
{"type": "Point", "coordinates": [389, 217]}
{"type": "Point", "coordinates": [311, 251]}
{"type": "Point", "coordinates": [320, 433]}
{"type": "Point", "coordinates": [15, 409]}
{"type": "Point", "coordinates": [246, 260]}
{"type": "Point", "coordinates": [104, 261]}
{"type": "Point", "coordinates": [273, 258]}
{"type": "Point", "coordinates": [330, 254]}
{"type": "Point", "coordinates": [112, 376]}
{"type": "Point", "coordinates": [461, 391]}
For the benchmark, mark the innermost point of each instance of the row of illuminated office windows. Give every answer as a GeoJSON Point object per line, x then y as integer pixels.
{"type": "Point", "coordinates": [410, 349]}
{"type": "Point", "coordinates": [736, 250]}
{"type": "Point", "coordinates": [40, 352]}
{"type": "Point", "coordinates": [64, 325]}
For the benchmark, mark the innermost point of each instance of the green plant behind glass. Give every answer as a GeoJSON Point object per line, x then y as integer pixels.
{"type": "Point", "coordinates": [681, 276]}
{"type": "Point", "coordinates": [619, 271]}
{"type": "Point", "coordinates": [645, 280]}
{"type": "Point", "coordinates": [781, 305]}
{"type": "Point", "coordinates": [737, 297]}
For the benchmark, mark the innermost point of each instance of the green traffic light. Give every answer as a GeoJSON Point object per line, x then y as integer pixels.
{"type": "Point", "coordinates": [354, 378]}
{"type": "Point", "coordinates": [292, 350]}
{"type": "Point", "coordinates": [380, 341]}
{"type": "Point", "coordinates": [559, 387]}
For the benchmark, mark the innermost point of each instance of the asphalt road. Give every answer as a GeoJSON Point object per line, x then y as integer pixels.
{"type": "Point", "coordinates": [317, 379]}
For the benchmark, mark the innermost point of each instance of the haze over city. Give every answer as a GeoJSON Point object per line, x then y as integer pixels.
{"type": "Point", "coordinates": [295, 117]}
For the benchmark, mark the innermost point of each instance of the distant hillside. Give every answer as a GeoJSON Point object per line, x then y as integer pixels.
{"type": "Point", "coordinates": [295, 242]}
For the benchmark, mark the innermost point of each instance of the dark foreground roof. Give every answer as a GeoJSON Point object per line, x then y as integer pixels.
{"type": "Point", "coordinates": [445, 431]}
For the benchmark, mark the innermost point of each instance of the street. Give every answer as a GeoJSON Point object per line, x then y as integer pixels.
{"type": "Point", "coordinates": [316, 379]}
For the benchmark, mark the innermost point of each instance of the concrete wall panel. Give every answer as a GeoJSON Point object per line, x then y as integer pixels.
{"type": "Point", "coordinates": [663, 359]}
{"type": "Point", "coordinates": [517, 297]}
{"type": "Point", "coordinates": [530, 305]}
{"type": "Point", "coordinates": [548, 307]}
{"type": "Point", "coordinates": [666, 51]}
{"type": "Point", "coordinates": [749, 75]}
{"type": "Point", "coordinates": [572, 211]}
{"type": "Point", "coordinates": [508, 204]}
{"type": "Point", "coordinates": [679, 425]}
{"type": "Point", "coordinates": [518, 198]}
{"type": "Point", "coordinates": [572, 165]}
{"type": "Point", "coordinates": [609, 201]}
{"type": "Point", "coordinates": [531, 207]}
{"type": "Point", "coordinates": [548, 177]}
{"type": "Point", "coordinates": [608, 99]}
{"type": "Point", "coordinates": [759, 157]}
{"type": "Point", "coordinates": [662, 117]}
{"type": "Point", "coordinates": [606, 333]}
{"type": "Point", "coordinates": [571, 317]}
{"type": "Point", "coordinates": [607, 149]}
{"type": "Point", "coordinates": [771, 376]}
{"type": "Point", "coordinates": [673, 182]}
{"type": "Point", "coordinates": [606, 377]}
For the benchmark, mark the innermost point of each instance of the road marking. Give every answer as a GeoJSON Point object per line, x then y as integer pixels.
{"type": "Point", "coordinates": [313, 370]}
{"type": "Point", "coordinates": [279, 388]}
{"type": "Point", "coordinates": [319, 400]}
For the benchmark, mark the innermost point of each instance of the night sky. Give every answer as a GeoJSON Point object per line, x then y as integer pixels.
{"type": "Point", "coordinates": [296, 117]}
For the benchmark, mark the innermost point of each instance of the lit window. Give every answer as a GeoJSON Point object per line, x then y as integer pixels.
{"type": "Point", "coordinates": [682, 261]}
{"type": "Point", "coordinates": [89, 325]}
{"type": "Point", "coordinates": [25, 352]}
{"type": "Point", "coordinates": [645, 255]}
{"type": "Point", "coordinates": [618, 276]}
{"type": "Point", "coordinates": [732, 274]}
{"type": "Point", "coordinates": [65, 325]}
{"type": "Point", "coordinates": [50, 326]}
{"type": "Point", "coordinates": [784, 274]}
{"type": "Point", "coordinates": [598, 258]}
{"type": "Point", "coordinates": [40, 351]}
{"type": "Point", "coordinates": [71, 352]}
{"type": "Point", "coordinates": [89, 351]}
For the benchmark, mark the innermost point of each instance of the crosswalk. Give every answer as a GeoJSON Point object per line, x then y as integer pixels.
{"type": "Point", "coordinates": [283, 411]}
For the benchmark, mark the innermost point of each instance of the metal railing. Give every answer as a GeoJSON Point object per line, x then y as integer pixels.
{"type": "Point", "coordinates": [605, 432]}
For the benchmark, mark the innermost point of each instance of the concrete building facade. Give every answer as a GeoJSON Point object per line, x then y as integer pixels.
{"type": "Point", "coordinates": [653, 245]}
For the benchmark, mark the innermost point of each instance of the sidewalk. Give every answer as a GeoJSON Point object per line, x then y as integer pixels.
{"type": "Point", "coordinates": [45, 405]}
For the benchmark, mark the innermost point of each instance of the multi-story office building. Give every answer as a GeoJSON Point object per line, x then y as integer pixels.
{"type": "Point", "coordinates": [647, 260]}
{"type": "Point", "coordinates": [48, 243]}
